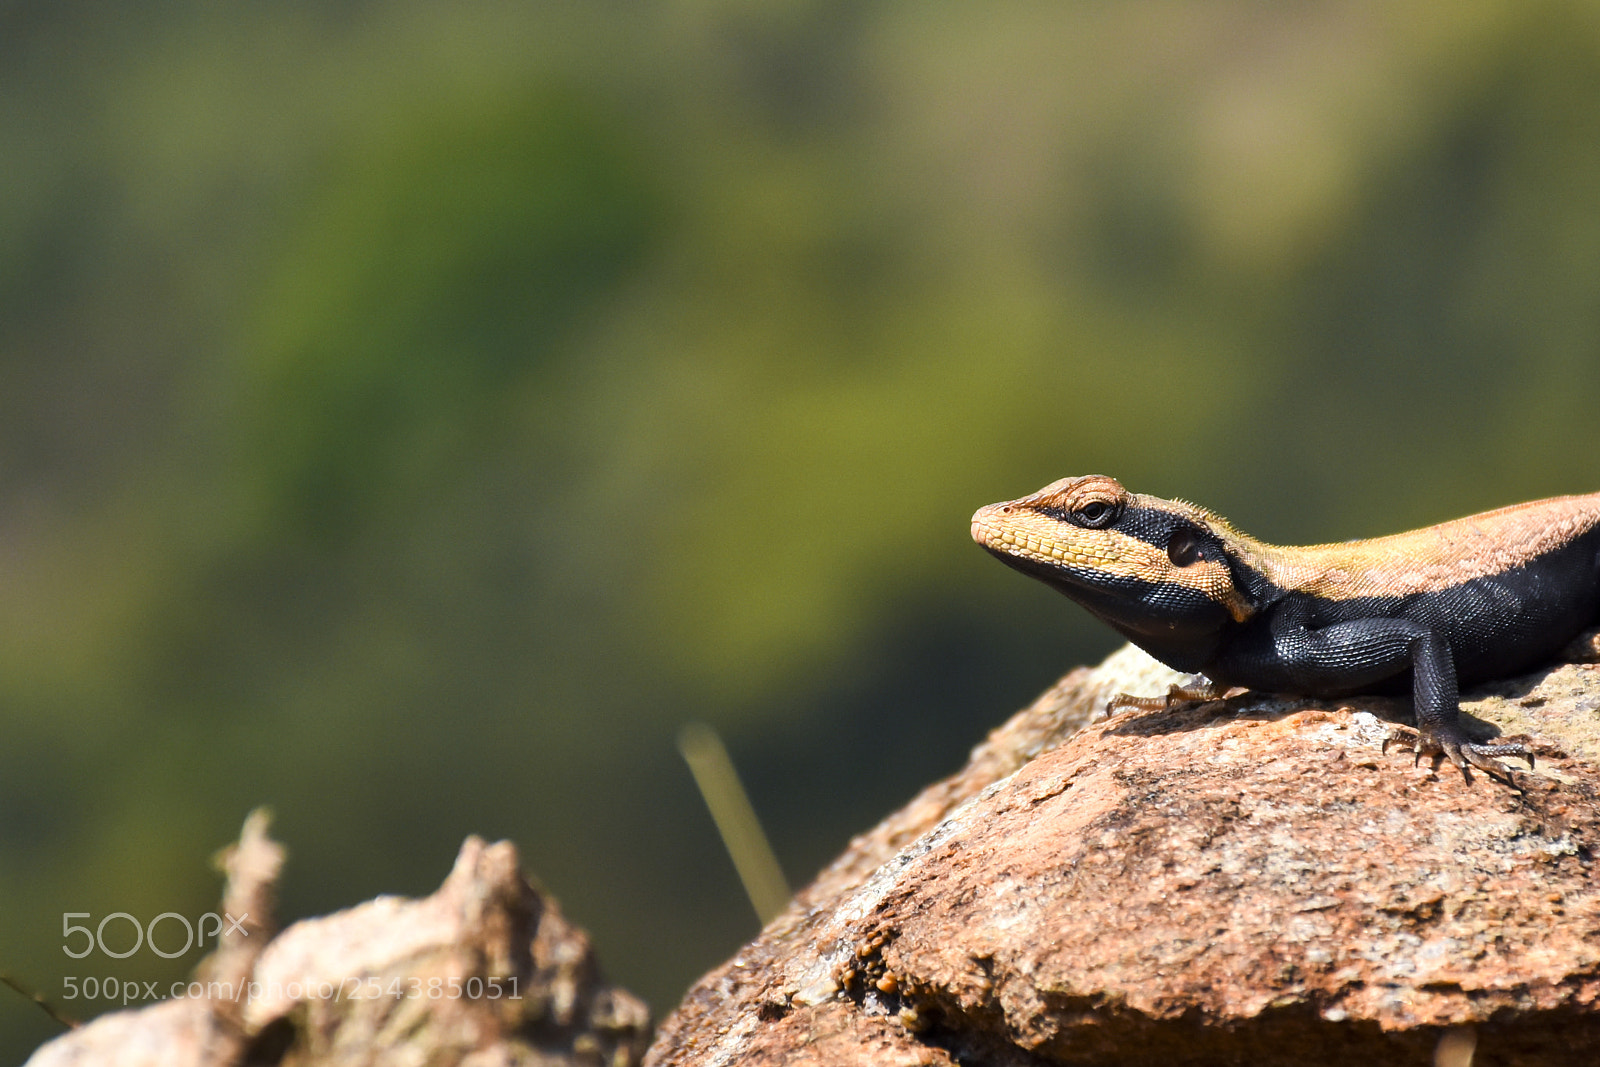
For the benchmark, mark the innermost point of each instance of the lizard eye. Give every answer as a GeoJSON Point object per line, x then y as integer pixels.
{"type": "Point", "coordinates": [1096, 513]}
{"type": "Point", "coordinates": [1185, 548]}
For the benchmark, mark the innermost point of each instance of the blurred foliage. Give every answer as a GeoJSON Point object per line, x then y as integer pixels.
{"type": "Point", "coordinates": [411, 414]}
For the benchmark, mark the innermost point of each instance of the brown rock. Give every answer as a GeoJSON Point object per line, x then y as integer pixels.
{"type": "Point", "coordinates": [1247, 881]}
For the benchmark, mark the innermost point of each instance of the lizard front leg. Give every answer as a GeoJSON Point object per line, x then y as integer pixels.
{"type": "Point", "coordinates": [1362, 652]}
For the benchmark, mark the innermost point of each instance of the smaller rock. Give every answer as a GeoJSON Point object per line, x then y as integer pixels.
{"type": "Point", "coordinates": [484, 972]}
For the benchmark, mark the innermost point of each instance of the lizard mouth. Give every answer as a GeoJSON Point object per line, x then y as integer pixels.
{"type": "Point", "coordinates": [1011, 540]}
{"type": "Point", "coordinates": [1040, 557]}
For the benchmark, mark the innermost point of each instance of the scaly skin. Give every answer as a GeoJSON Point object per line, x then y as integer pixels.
{"type": "Point", "coordinates": [1465, 601]}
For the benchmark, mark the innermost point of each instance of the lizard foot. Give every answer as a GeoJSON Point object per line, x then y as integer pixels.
{"type": "Point", "coordinates": [1463, 753]}
{"type": "Point", "coordinates": [1199, 690]}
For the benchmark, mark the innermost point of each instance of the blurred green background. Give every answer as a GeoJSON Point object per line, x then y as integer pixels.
{"type": "Point", "coordinates": [411, 414]}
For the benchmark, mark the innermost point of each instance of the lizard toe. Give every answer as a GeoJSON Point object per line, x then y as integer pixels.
{"type": "Point", "coordinates": [1481, 755]}
{"type": "Point", "coordinates": [1423, 746]}
{"type": "Point", "coordinates": [1122, 701]}
{"type": "Point", "coordinates": [1460, 753]}
{"type": "Point", "coordinates": [1404, 736]}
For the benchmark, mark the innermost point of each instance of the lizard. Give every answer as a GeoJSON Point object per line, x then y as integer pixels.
{"type": "Point", "coordinates": [1465, 601]}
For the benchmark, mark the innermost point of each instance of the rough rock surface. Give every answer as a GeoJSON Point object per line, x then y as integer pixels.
{"type": "Point", "coordinates": [484, 972]}
{"type": "Point", "coordinates": [1246, 881]}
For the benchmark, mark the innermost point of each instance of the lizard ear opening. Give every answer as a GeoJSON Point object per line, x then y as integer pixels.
{"type": "Point", "coordinates": [1185, 547]}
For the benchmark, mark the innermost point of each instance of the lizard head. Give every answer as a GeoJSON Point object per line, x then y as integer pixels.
{"type": "Point", "coordinates": [1156, 570]}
